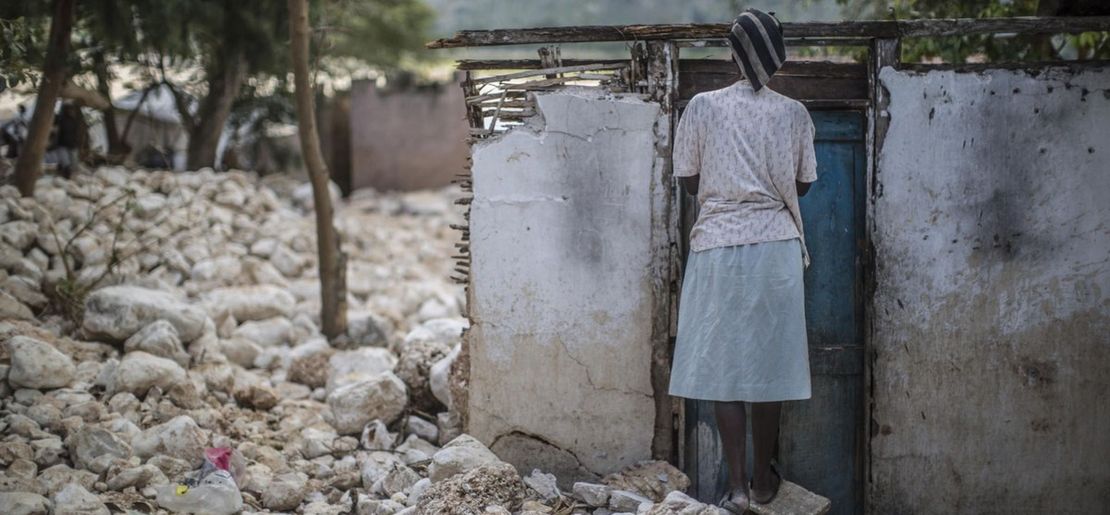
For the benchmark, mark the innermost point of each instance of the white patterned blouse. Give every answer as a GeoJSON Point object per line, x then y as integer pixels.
{"type": "Point", "coordinates": [748, 149]}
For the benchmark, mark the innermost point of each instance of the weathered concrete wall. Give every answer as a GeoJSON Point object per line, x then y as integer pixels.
{"type": "Point", "coordinates": [561, 277]}
{"type": "Point", "coordinates": [409, 139]}
{"type": "Point", "coordinates": [992, 307]}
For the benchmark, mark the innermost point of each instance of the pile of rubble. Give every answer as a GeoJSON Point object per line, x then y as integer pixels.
{"type": "Point", "coordinates": [149, 316]}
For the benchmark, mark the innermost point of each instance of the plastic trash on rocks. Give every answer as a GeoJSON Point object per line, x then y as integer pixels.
{"type": "Point", "coordinates": [211, 489]}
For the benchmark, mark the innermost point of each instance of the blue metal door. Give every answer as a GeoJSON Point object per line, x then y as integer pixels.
{"type": "Point", "coordinates": [821, 441]}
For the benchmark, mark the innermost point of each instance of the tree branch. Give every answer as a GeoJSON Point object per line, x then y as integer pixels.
{"type": "Point", "coordinates": [84, 97]}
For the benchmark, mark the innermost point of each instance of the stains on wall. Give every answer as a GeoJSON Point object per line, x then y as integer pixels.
{"type": "Point", "coordinates": [992, 303]}
{"type": "Point", "coordinates": [561, 286]}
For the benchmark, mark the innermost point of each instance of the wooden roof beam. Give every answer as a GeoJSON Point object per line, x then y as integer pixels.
{"type": "Point", "coordinates": [845, 29]}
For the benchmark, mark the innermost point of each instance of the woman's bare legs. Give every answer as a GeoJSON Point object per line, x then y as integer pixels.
{"type": "Point", "coordinates": [732, 425]}
{"type": "Point", "coordinates": [765, 434]}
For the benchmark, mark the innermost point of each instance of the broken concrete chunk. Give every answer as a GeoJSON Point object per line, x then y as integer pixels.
{"type": "Point", "coordinates": [678, 503]}
{"type": "Point", "coordinates": [592, 494]}
{"type": "Point", "coordinates": [460, 455]}
{"type": "Point", "coordinates": [495, 484]}
{"type": "Point", "coordinates": [544, 485]}
{"type": "Point", "coordinates": [793, 500]}
{"type": "Point", "coordinates": [652, 479]}
{"type": "Point", "coordinates": [623, 500]}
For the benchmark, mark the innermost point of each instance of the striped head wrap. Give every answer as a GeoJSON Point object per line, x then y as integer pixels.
{"type": "Point", "coordinates": [757, 46]}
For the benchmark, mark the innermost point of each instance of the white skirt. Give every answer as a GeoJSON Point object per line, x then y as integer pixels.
{"type": "Point", "coordinates": [741, 325]}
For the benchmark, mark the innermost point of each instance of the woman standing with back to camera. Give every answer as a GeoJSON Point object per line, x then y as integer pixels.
{"type": "Point", "coordinates": [747, 153]}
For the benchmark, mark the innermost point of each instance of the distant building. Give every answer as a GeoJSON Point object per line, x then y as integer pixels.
{"type": "Point", "coordinates": [406, 137]}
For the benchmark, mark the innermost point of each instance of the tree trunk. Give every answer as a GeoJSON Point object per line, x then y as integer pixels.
{"type": "Point", "coordinates": [332, 262]}
{"type": "Point", "coordinates": [29, 165]}
{"type": "Point", "coordinates": [117, 148]}
{"type": "Point", "coordinates": [223, 87]}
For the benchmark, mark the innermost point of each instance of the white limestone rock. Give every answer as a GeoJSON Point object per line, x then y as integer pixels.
{"type": "Point", "coordinates": [75, 499]}
{"type": "Point", "coordinates": [116, 312]}
{"type": "Point", "coordinates": [180, 438]}
{"type": "Point", "coordinates": [415, 449]}
{"type": "Point", "coordinates": [19, 234]}
{"type": "Point", "coordinates": [368, 506]}
{"type": "Point", "coordinates": [139, 371]}
{"type": "Point", "coordinates": [245, 303]}
{"type": "Point", "coordinates": [398, 480]}
{"type": "Point", "coordinates": [422, 428]}
{"type": "Point", "coordinates": [286, 491]}
{"type": "Point", "coordinates": [23, 503]}
{"type": "Point", "coordinates": [270, 332]}
{"type": "Point", "coordinates": [317, 442]}
{"type": "Point", "coordinates": [159, 338]}
{"type": "Point", "coordinates": [439, 377]}
{"type": "Point", "coordinates": [12, 309]}
{"type": "Point", "coordinates": [353, 366]}
{"type": "Point", "coordinates": [93, 448]}
{"type": "Point", "coordinates": [376, 437]}
{"type": "Point", "coordinates": [38, 365]}
{"type": "Point", "coordinates": [625, 501]}
{"type": "Point", "coordinates": [354, 405]}
{"type": "Point", "coordinates": [24, 290]}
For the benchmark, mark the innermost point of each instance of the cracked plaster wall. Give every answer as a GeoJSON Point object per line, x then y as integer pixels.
{"type": "Point", "coordinates": [992, 303]}
{"type": "Point", "coordinates": [561, 286]}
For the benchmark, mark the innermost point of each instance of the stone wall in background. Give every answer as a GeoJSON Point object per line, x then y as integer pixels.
{"type": "Point", "coordinates": [407, 139]}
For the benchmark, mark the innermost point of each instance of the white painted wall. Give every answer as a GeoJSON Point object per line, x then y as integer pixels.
{"type": "Point", "coordinates": [561, 286]}
{"type": "Point", "coordinates": [992, 306]}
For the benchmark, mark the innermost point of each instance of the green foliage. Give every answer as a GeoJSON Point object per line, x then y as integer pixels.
{"type": "Point", "coordinates": [381, 33]}
{"type": "Point", "coordinates": [19, 54]}
{"type": "Point", "coordinates": [991, 47]}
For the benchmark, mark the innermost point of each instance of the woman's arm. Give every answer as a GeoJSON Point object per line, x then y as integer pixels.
{"type": "Point", "coordinates": [803, 187]}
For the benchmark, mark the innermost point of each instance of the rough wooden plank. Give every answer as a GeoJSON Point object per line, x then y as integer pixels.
{"type": "Point", "coordinates": [809, 68]}
{"type": "Point", "coordinates": [884, 52]}
{"type": "Point", "coordinates": [793, 500]}
{"type": "Point", "coordinates": [549, 71]}
{"type": "Point", "coordinates": [661, 59]}
{"type": "Point", "coordinates": [525, 64]}
{"type": "Point", "coordinates": [720, 43]}
{"type": "Point", "coordinates": [849, 29]}
{"type": "Point", "coordinates": [469, 38]}
{"type": "Point", "coordinates": [1018, 25]}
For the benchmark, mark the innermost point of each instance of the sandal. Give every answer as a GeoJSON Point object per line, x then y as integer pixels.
{"type": "Point", "coordinates": [731, 507]}
{"type": "Point", "coordinates": [774, 493]}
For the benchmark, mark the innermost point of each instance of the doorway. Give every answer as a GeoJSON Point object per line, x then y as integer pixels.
{"type": "Point", "coordinates": [821, 444]}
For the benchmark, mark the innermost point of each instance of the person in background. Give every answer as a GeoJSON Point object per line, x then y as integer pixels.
{"type": "Point", "coordinates": [747, 153]}
{"type": "Point", "coordinates": [13, 133]}
{"type": "Point", "coordinates": [70, 134]}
